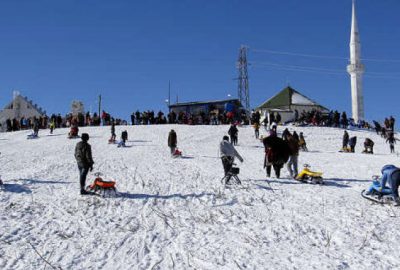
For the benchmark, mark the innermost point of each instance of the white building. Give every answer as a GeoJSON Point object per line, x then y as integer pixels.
{"type": "Point", "coordinates": [19, 107]}
{"type": "Point", "coordinates": [77, 108]}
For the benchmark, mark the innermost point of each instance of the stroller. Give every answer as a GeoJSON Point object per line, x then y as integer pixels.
{"type": "Point", "coordinates": [232, 174]}
{"type": "Point", "coordinates": [102, 187]}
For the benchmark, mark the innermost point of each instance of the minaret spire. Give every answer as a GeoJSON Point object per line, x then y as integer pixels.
{"type": "Point", "coordinates": [356, 69]}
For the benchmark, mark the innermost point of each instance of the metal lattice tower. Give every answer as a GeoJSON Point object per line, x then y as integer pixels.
{"type": "Point", "coordinates": [243, 79]}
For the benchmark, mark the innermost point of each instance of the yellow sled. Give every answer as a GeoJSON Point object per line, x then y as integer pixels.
{"type": "Point", "coordinates": [307, 175]}
{"type": "Point", "coordinates": [345, 150]}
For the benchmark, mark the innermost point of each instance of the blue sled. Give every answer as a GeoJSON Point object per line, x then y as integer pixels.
{"type": "Point", "coordinates": [373, 193]}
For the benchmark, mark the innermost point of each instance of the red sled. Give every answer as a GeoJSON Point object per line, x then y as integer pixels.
{"type": "Point", "coordinates": [102, 187]}
{"type": "Point", "coordinates": [177, 153]}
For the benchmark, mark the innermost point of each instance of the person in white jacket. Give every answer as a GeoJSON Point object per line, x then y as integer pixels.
{"type": "Point", "coordinates": [228, 154]}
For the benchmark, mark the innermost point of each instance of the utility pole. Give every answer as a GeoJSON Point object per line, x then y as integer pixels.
{"type": "Point", "coordinates": [169, 96]}
{"type": "Point", "coordinates": [99, 105]}
{"type": "Point", "coordinates": [243, 79]}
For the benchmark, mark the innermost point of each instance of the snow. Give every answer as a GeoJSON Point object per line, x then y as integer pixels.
{"type": "Point", "coordinates": [174, 213]}
{"type": "Point", "coordinates": [298, 99]}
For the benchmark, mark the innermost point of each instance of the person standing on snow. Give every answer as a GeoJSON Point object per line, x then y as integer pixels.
{"type": "Point", "coordinates": [294, 155]}
{"type": "Point", "coordinates": [391, 175]}
{"type": "Point", "coordinates": [113, 135]}
{"type": "Point", "coordinates": [302, 142]}
{"type": "Point", "coordinates": [276, 154]}
{"type": "Point", "coordinates": [352, 143]}
{"type": "Point", "coordinates": [83, 156]}
{"type": "Point", "coordinates": [233, 133]}
{"type": "Point", "coordinates": [172, 141]}
{"type": "Point", "coordinates": [391, 140]}
{"type": "Point", "coordinates": [257, 130]}
{"type": "Point", "coordinates": [52, 125]}
{"type": "Point", "coordinates": [124, 138]}
{"type": "Point", "coordinates": [345, 141]}
{"type": "Point", "coordinates": [35, 127]}
{"type": "Point", "coordinates": [228, 154]}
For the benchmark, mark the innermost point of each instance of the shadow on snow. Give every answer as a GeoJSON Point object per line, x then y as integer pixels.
{"type": "Point", "coordinates": [327, 182]}
{"type": "Point", "coordinates": [37, 181]}
{"type": "Point", "coordinates": [163, 197]}
{"type": "Point", "coordinates": [16, 188]}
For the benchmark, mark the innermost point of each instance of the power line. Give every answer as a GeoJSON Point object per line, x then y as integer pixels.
{"type": "Point", "coordinates": [375, 75]}
{"type": "Point", "coordinates": [298, 54]}
{"type": "Point", "coordinates": [297, 67]}
{"type": "Point", "coordinates": [321, 56]}
{"type": "Point", "coordinates": [320, 69]}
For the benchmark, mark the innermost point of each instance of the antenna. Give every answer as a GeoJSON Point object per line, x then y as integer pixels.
{"type": "Point", "coordinates": [243, 79]}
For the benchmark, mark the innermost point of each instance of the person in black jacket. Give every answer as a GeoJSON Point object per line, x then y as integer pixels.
{"type": "Point", "coordinates": [233, 133]}
{"type": "Point", "coordinates": [345, 140]}
{"type": "Point", "coordinates": [277, 153]}
{"type": "Point", "coordinates": [368, 146]}
{"type": "Point", "coordinates": [352, 143]}
{"type": "Point", "coordinates": [83, 156]}
{"type": "Point", "coordinates": [124, 138]}
{"type": "Point", "coordinates": [172, 141]}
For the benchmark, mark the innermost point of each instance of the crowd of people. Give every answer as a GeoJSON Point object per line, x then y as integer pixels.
{"type": "Point", "coordinates": [149, 117]}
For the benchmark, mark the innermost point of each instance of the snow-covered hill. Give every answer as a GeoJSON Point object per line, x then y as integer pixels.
{"type": "Point", "coordinates": [174, 214]}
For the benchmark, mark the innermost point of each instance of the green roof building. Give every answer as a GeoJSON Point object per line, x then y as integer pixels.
{"type": "Point", "coordinates": [287, 101]}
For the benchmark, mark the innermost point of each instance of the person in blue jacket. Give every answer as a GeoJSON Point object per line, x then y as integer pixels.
{"type": "Point", "coordinates": [391, 175]}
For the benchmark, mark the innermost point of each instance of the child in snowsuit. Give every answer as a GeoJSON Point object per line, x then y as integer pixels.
{"type": "Point", "coordinates": [124, 138]}
{"type": "Point", "coordinates": [228, 154]}
{"type": "Point", "coordinates": [52, 126]}
{"type": "Point", "coordinates": [391, 175]}
{"type": "Point", "coordinates": [172, 141]}
{"type": "Point", "coordinates": [302, 142]}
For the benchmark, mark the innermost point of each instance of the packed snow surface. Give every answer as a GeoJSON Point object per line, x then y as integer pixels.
{"type": "Point", "coordinates": [175, 214]}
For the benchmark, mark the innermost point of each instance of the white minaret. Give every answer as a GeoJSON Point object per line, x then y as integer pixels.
{"type": "Point", "coordinates": [356, 69]}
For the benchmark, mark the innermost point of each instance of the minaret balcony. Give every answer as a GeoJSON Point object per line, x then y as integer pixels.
{"type": "Point", "coordinates": [355, 68]}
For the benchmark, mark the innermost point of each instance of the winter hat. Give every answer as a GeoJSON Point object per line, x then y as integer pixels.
{"type": "Point", "coordinates": [225, 138]}
{"type": "Point", "coordinates": [85, 137]}
{"type": "Point", "coordinates": [387, 167]}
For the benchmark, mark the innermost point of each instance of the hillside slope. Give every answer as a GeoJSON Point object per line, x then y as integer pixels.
{"type": "Point", "coordinates": [174, 213]}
